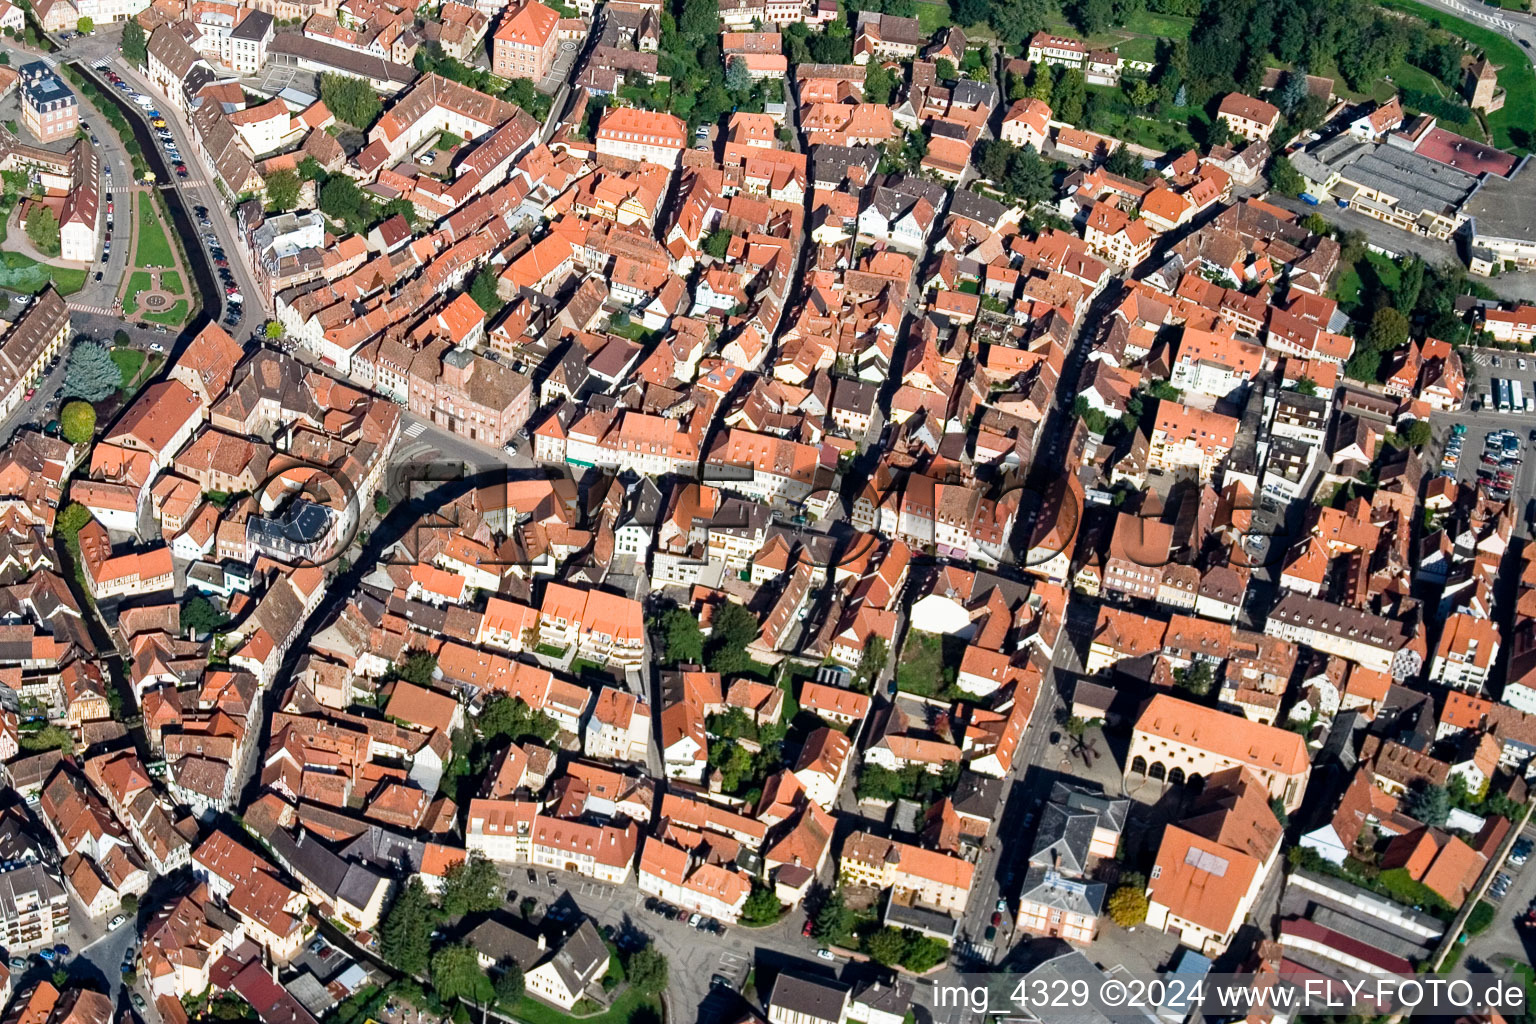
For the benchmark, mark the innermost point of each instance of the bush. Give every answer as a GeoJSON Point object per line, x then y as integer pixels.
{"type": "Point", "coordinates": [1480, 918]}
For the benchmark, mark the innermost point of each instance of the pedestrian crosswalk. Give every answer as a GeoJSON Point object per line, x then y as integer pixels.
{"type": "Point", "coordinates": [1481, 358]}
{"type": "Point", "coordinates": [101, 64]}
{"type": "Point", "coordinates": [414, 431]}
{"type": "Point", "coordinates": [47, 60]}
{"type": "Point", "coordinates": [80, 307]}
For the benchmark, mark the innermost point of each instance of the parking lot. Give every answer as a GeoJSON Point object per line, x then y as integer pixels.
{"type": "Point", "coordinates": [1504, 438]}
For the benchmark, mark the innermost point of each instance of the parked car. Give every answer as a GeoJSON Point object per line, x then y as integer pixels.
{"type": "Point", "coordinates": [18, 963]}
{"type": "Point", "coordinates": [48, 955]}
{"type": "Point", "coordinates": [119, 919]}
{"type": "Point", "coordinates": [138, 1002]}
{"type": "Point", "coordinates": [825, 954]}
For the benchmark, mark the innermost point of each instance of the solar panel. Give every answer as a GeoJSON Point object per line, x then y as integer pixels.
{"type": "Point", "coordinates": [1206, 861]}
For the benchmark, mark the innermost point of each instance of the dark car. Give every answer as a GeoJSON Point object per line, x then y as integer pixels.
{"type": "Point", "coordinates": [997, 918]}
{"type": "Point", "coordinates": [720, 981]}
{"type": "Point", "coordinates": [990, 933]}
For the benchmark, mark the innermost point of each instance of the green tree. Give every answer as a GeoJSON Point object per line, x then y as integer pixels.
{"type": "Point", "coordinates": [405, 938]}
{"type": "Point", "coordinates": [878, 84]}
{"type": "Point", "coordinates": [380, 504]}
{"type": "Point", "coordinates": [1197, 679]}
{"type": "Point", "coordinates": [456, 974]}
{"type": "Point", "coordinates": [471, 886]}
{"type": "Point", "coordinates": [78, 420]}
{"type": "Point", "coordinates": [1389, 330]}
{"type": "Point", "coordinates": [417, 667]}
{"type": "Point", "coordinates": [85, 26]}
{"type": "Point", "coordinates": [1125, 163]}
{"type": "Point", "coordinates": [43, 230]}
{"type": "Point", "coordinates": [1427, 802]}
{"type": "Point", "coordinates": [731, 631]}
{"type": "Point", "coordinates": [283, 189]}
{"type": "Point", "coordinates": [944, 68]}
{"type": "Point", "coordinates": [483, 290]}
{"type": "Point", "coordinates": [1071, 97]}
{"type": "Point", "coordinates": [738, 77]}
{"type": "Point", "coordinates": [509, 984]}
{"type": "Point", "coordinates": [310, 169]}
{"type": "Point", "coordinates": [129, 903]}
{"type": "Point", "coordinates": [71, 520]}
{"type": "Point", "coordinates": [685, 640]}
{"type": "Point", "coordinates": [1306, 386]}
{"type": "Point", "coordinates": [1418, 433]}
{"type": "Point", "coordinates": [340, 197]}
{"type": "Point", "coordinates": [1410, 284]}
{"type": "Point", "coordinates": [1284, 178]}
{"type": "Point", "coordinates": [511, 717]}
{"type": "Point", "coordinates": [924, 952]}
{"type": "Point", "coordinates": [969, 12]}
{"type": "Point", "coordinates": [135, 44]}
{"type": "Point", "coordinates": [399, 207]}
{"type": "Point", "coordinates": [871, 663]}
{"type": "Point", "coordinates": [887, 946]}
{"type": "Point", "coordinates": [733, 763]}
{"type": "Point", "coordinates": [716, 244]}
{"type": "Point", "coordinates": [647, 970]}
{"type": "Point", "coordinates": [833, 921]}
{"type": "Point", "coordinates": [762, 906]}
{"type": "Point", "coordinates": [1128, 906]}
{"type": "Point", "coordinates": [1016, 20]}
{"type": "Point", "coordinates": [91, 374]}
{"type": "Point", "coordinates": [350, 99]}
{"type": "Point", "coordinates": [200, 616]}
{"type": "Point", "coordinates": [1316, 224]}
{"type": "Point", "coordinates": [1363, 365]}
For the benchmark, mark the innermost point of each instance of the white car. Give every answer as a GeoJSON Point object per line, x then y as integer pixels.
{"type": "Point", "coordinates": [119, 919]}
{"type": "Point", "coordinates": [1522, 364]}
{"type": "Point", "coordinates": [157, 347]}
{"type": "Point", "coordinates": [825, 954]}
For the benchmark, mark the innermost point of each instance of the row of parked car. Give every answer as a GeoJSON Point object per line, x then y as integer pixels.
{"type": "Point", "coordinates": [699, 921]}
{"type": "Point", "coordinates": [1500, 462]}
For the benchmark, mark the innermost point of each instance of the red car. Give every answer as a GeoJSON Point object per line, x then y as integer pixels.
{"type": "Point", "coordinates": [31, 392]}
{"type": "Point", "coordinates": [809, 924]}
{"type": "Point", "coordinates": [997, 918]}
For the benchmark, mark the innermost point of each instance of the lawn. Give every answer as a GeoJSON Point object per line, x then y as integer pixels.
{"type": "Point", "coordinates": [173, 317]}
{"type": "Point", "coordinates": [929, 663]}
{"type": "Point", "coordinates": [1511, 126]}
{"type": "Point", "coordinates": [154, 249]}
{"type": "Point", "coordinates": [138, 281]}
{"type": "Point", "coordinates": [932, 16]}
{"type": "Point", "coordinates": [1169, 26]}
{"type": "Point", "coordinates": [631, 1007]}
{"type": "Point", "coordinates": [24, 274]}
{"type": "Point", "coordinates": [171, 282]}
{"type": "Point", "coordinates": [1360, 281]}
{"type": "Point", "coordinates": [129, 362]}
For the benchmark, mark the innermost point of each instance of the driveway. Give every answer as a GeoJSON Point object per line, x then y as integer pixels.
{"type": "Point", "coordinates": [1521, 287]}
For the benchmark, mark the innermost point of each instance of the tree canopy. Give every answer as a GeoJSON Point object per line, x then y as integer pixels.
{"type": "Point", "coordinates": [732, 629]}
{"type": "Point", "coordinates": [283, 189]}
{"type": "Point", "coordinates": [471, 886]}
{"type": "Point", "coordinates": [91, 374]}
{"type": "Point", "coordinates": [78, 420]}
{"type": "Point", "coordinates": [43, 230]}
{"type": "Point", "coordinates": [405, 938]}
{"type": "Point", "coordinates": [351, 99]}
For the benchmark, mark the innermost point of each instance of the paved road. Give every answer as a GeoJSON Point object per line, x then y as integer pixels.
{"type": "Point", "coordinates": [1505, 939]}
{"type": "Point", "coordinates": [1520, 287]}
{"type": "Point", "coordinates": [198, 190]}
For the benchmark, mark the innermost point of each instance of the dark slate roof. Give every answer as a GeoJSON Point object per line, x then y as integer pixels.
{"type": "Point", "coordinates": [817, 998]}
{"type": "Point", "coordinates": [980, 208]}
